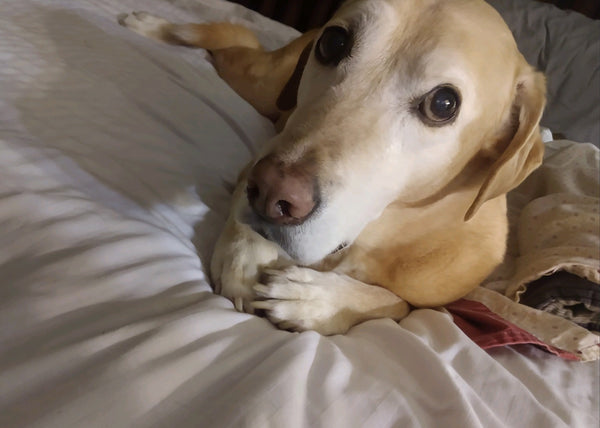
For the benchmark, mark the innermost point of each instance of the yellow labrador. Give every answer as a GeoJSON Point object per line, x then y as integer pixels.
{"type": "Point", "coordinates": [403, 123]}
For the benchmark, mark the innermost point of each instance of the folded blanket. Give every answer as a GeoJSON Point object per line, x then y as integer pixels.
{"type": "Point", "coordinates": [555, 221]}
{"type": "Point", "coordinates": [522, 324]}
{"type": "Point", "coordinates": [553, 255]}
{"type": "Point", "coordinates": [489, 330]}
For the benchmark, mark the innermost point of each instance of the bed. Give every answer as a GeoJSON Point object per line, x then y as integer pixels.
{"type": "Point", "coordinates": [116, 156]}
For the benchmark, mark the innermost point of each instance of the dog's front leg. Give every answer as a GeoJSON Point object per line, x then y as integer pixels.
{"type": "Point", "coordinates": [239, 256]}
{"type": "Point", "coordinates": [297, 298]}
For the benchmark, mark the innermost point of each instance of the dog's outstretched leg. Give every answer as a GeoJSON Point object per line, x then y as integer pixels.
{"type": "Point", "coordinates": [258, 76]}
{"type": "Point", "coordinates": [210, 36]}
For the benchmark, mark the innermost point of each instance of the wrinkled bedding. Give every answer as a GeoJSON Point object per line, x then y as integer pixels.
{"type": "Point", "coordinates": [115, 154]}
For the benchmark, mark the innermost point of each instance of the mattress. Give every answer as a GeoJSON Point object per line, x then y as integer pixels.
{"type": "Point", "coordinates": [116, 156]}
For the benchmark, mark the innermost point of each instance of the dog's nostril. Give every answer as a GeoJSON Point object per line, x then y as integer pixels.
{"type": "Point", "coordinates": [284, 208]}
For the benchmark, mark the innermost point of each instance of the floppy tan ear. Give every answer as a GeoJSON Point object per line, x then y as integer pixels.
{"type": "Point", "coordinates": [525, 151]}
{"type": "Point", "coordinates": [288, 97]}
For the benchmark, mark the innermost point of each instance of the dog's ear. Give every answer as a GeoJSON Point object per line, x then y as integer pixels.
{"type": "Point", "coordinates": [525, 151]}
{"type": "Point", "coordinates": [289, 94]}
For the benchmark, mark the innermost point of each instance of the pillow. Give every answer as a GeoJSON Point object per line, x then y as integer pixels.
{"type": "Point", "coordinates": [566, 47]}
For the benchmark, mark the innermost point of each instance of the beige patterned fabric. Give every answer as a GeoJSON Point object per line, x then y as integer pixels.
{"type": "Point", "coordinates": [550, 329]}
{"type": "Point", "coordinates": [555, 225]}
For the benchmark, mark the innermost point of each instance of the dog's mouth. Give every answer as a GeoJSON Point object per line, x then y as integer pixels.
{"type": "Point", "coordinates": [274, 233]}
{"type": "Point", "coordinates": [339, 248]}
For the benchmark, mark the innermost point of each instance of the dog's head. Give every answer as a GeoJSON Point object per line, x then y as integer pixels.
{"type": "Point", "coordinates": [393, 101]}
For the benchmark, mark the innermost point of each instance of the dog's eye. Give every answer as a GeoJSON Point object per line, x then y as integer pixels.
{"type": "Point", "coordinates": [333, 46]}
{"type": "Point", "coordinates": [440, 105]}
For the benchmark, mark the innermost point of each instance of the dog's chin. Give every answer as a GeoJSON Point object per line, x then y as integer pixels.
{"type": "Point", "coordinates": [297, 241]}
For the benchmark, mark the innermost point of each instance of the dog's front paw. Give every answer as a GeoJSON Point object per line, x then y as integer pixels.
{"type": "Point", "coordinates": [237, 287]}
{"type": "Point", "coordinates": [301, 299]}
{"type": "Point", "coordinates": [239, 256]}
{"type": "Point", "coordinates": [238, 274]}
{"type": "Point", "coordinates": [145, 24]}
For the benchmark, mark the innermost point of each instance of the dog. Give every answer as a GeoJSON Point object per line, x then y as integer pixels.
{"type": "Point", "coordinates": [402, 124]}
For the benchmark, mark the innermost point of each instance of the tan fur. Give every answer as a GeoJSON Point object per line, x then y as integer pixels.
{"type": "Point", "coordinates": [256, 75]}
{"type": "Point", "coordinates": [213, 36]}
{"type": "Point", "coordinates": [437, 240]}
{"type": "Point", "coordinates": [259, 76]}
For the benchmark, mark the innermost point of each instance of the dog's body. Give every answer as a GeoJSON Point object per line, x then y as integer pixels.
{"type": "Point", "coordinates": [402, 126]}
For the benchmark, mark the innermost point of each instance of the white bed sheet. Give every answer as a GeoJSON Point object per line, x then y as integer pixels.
{"type": "Point", "coordinates": [114, 154]}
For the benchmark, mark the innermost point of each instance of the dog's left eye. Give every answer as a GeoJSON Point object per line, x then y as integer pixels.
{"type": "Point", "coordinates": [333, 46]}
{"type": "Point", "coordinates": [440, 105]}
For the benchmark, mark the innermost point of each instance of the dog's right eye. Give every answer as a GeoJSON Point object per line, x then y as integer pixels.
{"type": "Point", "coordinates": [333, 46]}
{"type": "Point", "coordinates": [440, 105]}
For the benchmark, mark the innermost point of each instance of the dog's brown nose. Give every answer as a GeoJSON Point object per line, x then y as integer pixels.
{"type": "Point", "coordinates": [280, 195]}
